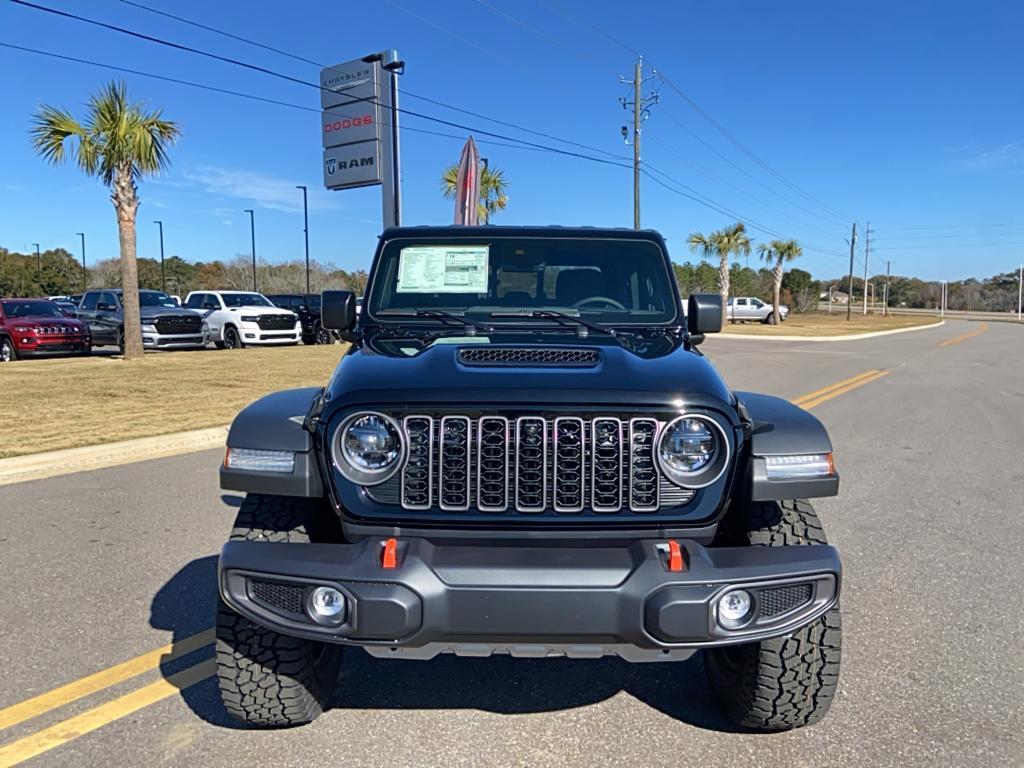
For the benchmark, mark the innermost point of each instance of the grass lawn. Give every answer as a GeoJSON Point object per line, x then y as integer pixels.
{"type": "Point", "coordinates": [824, 324]}
{"type": "Point", "coordinates": [63, 403]}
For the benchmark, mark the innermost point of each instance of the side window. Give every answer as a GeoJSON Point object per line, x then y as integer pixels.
{"type": "Point", "coordinates": [108, 298]}
{"type": "Point", "coordinates": [194, 301]}
{"type": "Point", "coordinates": [741, 302]}
{"type": "Point", "coordinates": [210, 301]}
{"type": "Point", "coordinates": [90, 300]}
{"type": "Point", "coordinates": [298, 303]}
{"type": "Point", "coordinates": [757, 303]}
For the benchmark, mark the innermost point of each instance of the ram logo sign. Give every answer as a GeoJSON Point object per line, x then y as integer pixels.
{"type": "Point", "coordinates": [352, 165]}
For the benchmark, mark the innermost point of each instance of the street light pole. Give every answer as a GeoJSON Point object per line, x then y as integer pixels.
{"type": "Point", "coordinates": [1020, 290]}
{"type": "Point", "coordinates": [849, 285]}
{"type": "Point", "coordinates": [163, 276]}
{"type": "Point", "coordinates": [252, 232]}
{"type": "Point", "coordinates": [85, 274]}
{"type": "Point", "coordinates": [305, 228]}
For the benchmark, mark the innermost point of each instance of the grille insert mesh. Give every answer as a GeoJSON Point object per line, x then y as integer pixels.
{"type": "Point", "coordinates": [561, 357]}
{"type": "Point", "coordinates": [776, 600]}
{"type": "Point", "coordinates": [283, 597]}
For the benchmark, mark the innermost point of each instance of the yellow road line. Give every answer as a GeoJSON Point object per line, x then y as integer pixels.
{"type": "Point", "coordinates": [819, 392]}
{"type": "Point", "coordinates": [105, 678]}
{"type": "Point", "coordinates": [79, 725]}
{"type": "Point", "coordinates": [808, 404]}
{"type": "Point", "coordinates": [965, 336]}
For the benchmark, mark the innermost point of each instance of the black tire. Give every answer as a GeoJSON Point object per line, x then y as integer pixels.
{"type": "Point", "coordinates": [321, 335]}
{"type": "Point", "coordinates": [8, 354]}
{"type": "Point", "coordinates": [786, 682]}
{"type": "Point", "coordinates": [268, 679]}
{"type": "Point", "coordinates": [770, 320]}
{"type": "Point", "coordinates": [232, 338]}
{"type": "Point", "coordinates": [120, 341]}
{"type": "Point", "coordinates": [220, 345]}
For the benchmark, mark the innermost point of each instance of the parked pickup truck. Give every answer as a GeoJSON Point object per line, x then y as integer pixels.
{"type": "Point", "coordinates": [307, 307]}
{"type": "Point", "coordinates": [524, 452]}
{"type": "Point", "coordinates": [165, 325]}
{"type": "Point", "coordinates": [243, 318]}
{"type": "Point", "coordinates": [745, 309]}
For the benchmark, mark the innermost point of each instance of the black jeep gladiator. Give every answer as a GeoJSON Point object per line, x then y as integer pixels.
{"type": "Point", "coordinates": [523, 451]}
{"type": "Point", "coordinates": [307, 307]}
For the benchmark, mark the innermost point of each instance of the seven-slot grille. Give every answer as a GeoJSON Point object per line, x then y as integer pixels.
{"type": "Point", "coordinates": [172, 324]}
{"type": "Point", "coordinates": [277, 322]}
{"type": "Point", "coordinates": [510, 357]}
{"type": "Point", "coordinates": [533, 464]}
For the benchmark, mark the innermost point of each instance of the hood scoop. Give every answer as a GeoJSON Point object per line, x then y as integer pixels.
{"type": "Point", "coordinates": [529, 357]}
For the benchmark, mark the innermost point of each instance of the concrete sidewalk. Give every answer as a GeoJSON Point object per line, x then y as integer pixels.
{"type": "Point", "coordinates": [38, 466]}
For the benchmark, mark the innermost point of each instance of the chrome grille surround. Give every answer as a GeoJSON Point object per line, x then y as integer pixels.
{"type": "Point", "coordinates": [455, 463]}
{"type": "Point", "coordinates": [548, 465]}
{"type": "Point", "coordinates": [492, 446]}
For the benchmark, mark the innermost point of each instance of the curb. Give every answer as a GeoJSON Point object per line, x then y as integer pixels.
{"type": "Point", "coordinates": [39, 466]}
{"type": "Point", "coordinates": [845, 337]}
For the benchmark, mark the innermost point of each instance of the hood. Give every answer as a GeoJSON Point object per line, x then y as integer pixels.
{"type": "Point", "coordinates": [47, 321]}
{"type": "Point", "coordinates": [660, 372]}
{"type": "Point", "coordinates": [151, 312]}
{"type": "Point", "coordinates": [260, 310]}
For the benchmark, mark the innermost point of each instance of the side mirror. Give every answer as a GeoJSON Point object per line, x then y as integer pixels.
{"type": "Point", "coordinates": [703, 315]}
{"type": "Point", "coordinates": [338, 310]}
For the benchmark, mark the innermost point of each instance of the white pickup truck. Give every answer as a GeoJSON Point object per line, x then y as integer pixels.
{"type": "Point", "coordinates": [242, 318]}
{"type": "Point", "coordinates": [745, 309]}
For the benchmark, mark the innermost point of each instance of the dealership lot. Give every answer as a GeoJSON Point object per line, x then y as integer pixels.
{"type": "Point", "coordinates": [104, 566]}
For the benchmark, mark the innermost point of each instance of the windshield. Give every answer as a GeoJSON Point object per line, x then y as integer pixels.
{"type": "Point", "coordinates": [313, 300]}
{"type": "Point", "coordinates": [156, 299]}
{"type": "Point", "coordinates": [32, 309]}
{"type": "Point", "coordinates": [245, 300]}
{"type": "Point", "coordinates": [600, 279]}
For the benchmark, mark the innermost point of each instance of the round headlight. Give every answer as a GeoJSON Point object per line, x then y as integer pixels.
{"type": "Point", "coordinates": [368, 448]}
{"type": "Point", "coordinates": [692, 451]}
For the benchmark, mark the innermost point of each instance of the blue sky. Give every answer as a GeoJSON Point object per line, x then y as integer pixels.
{"type": "Point", "coordinates": [907, 115]}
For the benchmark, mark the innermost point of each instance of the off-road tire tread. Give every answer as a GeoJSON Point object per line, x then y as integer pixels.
{"type": "Point", "coordinates": [266, 678]}
{"type": "Point", "coordinates": [785, 682]}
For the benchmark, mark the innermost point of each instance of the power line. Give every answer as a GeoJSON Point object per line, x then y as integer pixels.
{"type": "Point", "coordinates": [588, 25]}
{"type": "Point", "coordinates": [746, 150]}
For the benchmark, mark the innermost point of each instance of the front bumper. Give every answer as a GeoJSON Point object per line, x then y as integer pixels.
{"type": "Point", "coordinates": [174, 341]}
{"type": "Point", "coordinates": [253, 334]}
{"type": "Point", "coordinates": [530, 600]}
{"type": "Point", "coordinates": [52, 346]}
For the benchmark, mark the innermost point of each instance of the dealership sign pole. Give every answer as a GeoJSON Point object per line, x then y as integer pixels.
{"type": "Point", "coordinates": [359, 128]}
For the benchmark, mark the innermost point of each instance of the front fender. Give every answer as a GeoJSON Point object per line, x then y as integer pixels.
{"type": "Point", "coordinates": [779, 428]}
{"type": "Point", "coordinates": [275, 423]}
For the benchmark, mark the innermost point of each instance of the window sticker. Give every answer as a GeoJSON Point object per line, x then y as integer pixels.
{"type": "Point", "coordinates": [443, 269]}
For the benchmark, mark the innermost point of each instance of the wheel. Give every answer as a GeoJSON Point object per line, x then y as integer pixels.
{"type": "Point", "coordinates": [220, 345]}
{"type": "Point", "coordinates": [268, 679]}
{"type": "Point", "coordinates": [323, 336]}
{"type": "Point", "coordinates": [120, 341]}
{"type": "Point", "coordinates": [785, 682]}
{"type": "Point", "coordinates": [8, 354]}
{"type": "Point", "coordinates": [770, 320]}
{"type": "Point", "coordinates": [232, 338]}
{"type": "Point", "coordinates": [86, 351]}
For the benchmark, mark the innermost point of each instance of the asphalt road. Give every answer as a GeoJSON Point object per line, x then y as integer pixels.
{"type": "Point", "coordinates": [99, 567]}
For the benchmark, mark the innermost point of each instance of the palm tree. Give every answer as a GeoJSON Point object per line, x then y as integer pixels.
{"type": "Point", "coordinates": [724, 243]}
{"type": "Point", "coordinates": [118, 143]}
{"type": "Point", "coordinates": [776, 253]}
{"type": "Point", "coordinates": [492, 190]}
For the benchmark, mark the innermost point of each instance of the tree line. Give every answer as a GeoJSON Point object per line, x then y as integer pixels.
{"type": "Point", "coordinates": [56, 272]}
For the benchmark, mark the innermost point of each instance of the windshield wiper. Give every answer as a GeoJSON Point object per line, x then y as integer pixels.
{"type": "Point", "coordinates": [563, 319]}
{"type": "Point", "coordinates": [449, 318]}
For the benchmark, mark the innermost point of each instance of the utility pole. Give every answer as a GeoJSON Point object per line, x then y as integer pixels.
{"type": "Point", "coordinates": [867, 254]}
{"type": "Point", "coordinates": [85, 273]}
{"type": "Point", "coordinates": [163, 276]}
{"type": "Point", "coordinates": [885, 293]}
{"type": "Point", "coordinates": [39, 263]}
{"type": "Point", "coordinates": [1020, 290]}
{"type": "Point", "coordinates": [849, 297]}
{"type": "Point", "coordinates": [641, 111]}
{"type": "Point", "coordinates": [252, 232]}
{"type": "Point", "coordinates": [305, 228]}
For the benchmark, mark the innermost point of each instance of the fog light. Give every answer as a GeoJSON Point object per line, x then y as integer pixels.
{"type": "Point", "coordinates": [327, 605]}
{"type": "Point", "coordinates": [734, 608]}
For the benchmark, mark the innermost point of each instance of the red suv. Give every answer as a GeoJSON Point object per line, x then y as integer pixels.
{"type": "Point", "coordinates": [37, 327]}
